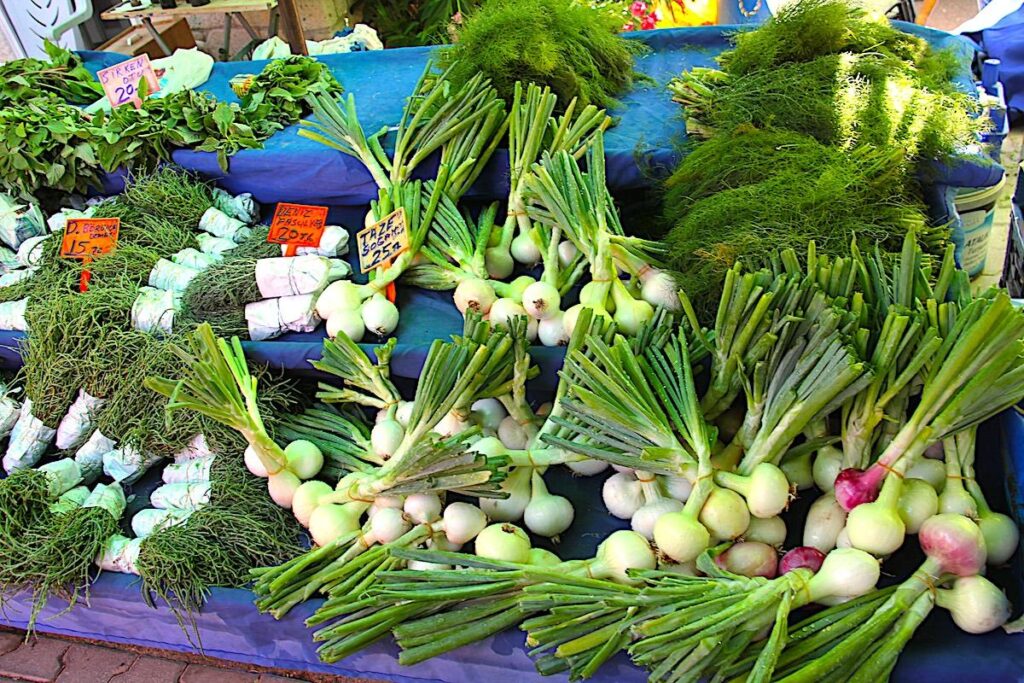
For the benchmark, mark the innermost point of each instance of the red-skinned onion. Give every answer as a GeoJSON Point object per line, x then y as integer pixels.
{"type": "Point", "coordinates": [804, 557]}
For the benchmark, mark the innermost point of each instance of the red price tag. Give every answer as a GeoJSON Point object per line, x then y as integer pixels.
{"type": "Point", "coordinates": [87, 238]}
{"type": "Point", "coordinates": [121, 81]}
{"type": "Point", "coordinates": [297, 225]}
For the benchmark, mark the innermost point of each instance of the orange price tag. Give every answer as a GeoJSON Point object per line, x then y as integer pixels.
{"type": "Point", "coordinates": [384, 240]}
{"type": "Point", "coordinates": [297, 225]}
{"type": "Point", "coordinates": [121, 81]}
{"type": "Point", "coordinates": [87, 238]}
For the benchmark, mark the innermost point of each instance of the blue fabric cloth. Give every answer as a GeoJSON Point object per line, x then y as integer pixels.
{"type": "Point", "coordinates": [231, 628]}
{"type": "Point", "coordinates": [642, 146]}
{"type": "Point", "coordinates": [1004, 41]}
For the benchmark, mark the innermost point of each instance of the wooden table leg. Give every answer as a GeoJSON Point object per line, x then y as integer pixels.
{"type": "Point", "coordinates": [246, 25]}
{"type": "Point", "coordinates": [148, 23]}
{"type": "Point", "coordinates": [291, 27]}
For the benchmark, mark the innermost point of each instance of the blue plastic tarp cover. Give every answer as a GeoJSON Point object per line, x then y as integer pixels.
{"type": "Point", "coordinates": [643, 145]}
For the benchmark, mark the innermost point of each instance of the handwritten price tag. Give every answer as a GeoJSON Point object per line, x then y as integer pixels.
{"type": "Point", "coordinates": [383, 240]}
{"type": "Point", "coordinates": [121, 81]}
{"type": "Point", "coordinates": [297, 225]}
{"type": "Point", "coordinates": [87, 238]}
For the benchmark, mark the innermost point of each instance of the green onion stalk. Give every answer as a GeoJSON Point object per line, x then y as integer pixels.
{"type": "Point", "coordinates": [862, 640]}
{"type": "Point", "coordinates": [976, 372]}
{"type": "Point", "coordinates": [563, 197]}
{"type": "Point", "coordinates": [477, 599]}
{"type": "Point", "coordinates": [341, 434]}
{"type": "Point", "coordinates": [465, 125]}
{"type": "Point", "coordinates": [815, 375]}
{"type": "Point", "coordinates": [533, 129]}
{"type": "Point", "coordinates": [418, 458]}
{"type": "Point", "coordinates": [680, 627]}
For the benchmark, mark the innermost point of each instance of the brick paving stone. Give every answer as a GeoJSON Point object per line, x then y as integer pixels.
{"type": "Point", "coordinates": [10, 641]}
{"type": "Point", "coordinates": [93, 664]}
{"type": "Point", "coordinates": [151, 670]}
{"type": "Point", "coordinates": [199, 673]}
{"type": "Point", "coordinates": [36, 660]}
{"type": "Point", "coordinates": [274, 678]}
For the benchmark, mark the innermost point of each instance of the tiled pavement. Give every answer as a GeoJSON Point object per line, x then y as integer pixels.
{"type": "Point", "coordinates": [48, 659]}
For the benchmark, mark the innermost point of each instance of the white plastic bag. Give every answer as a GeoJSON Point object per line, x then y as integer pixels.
{"type": "Point", "coordinates": [75, 426]}
{"type": "Point", "coordinates": [181, 496]}
{"type": "Point", "coordinates": [8, 259]}
{"type": "Point", "coordinates": [334, 242]}
{"type": "Point", "coordinates": [219, 224]}
{"type": "Point", "coordinates": [285, 276]}
{"type": "Point", "coordinates": [19, 222]}
{"type": "Point", "coordinates": [242, 206]}
{"type": "Point", "coordinates": [29, 440]}
{"type": "Point", "coordinates": [90, 456]}
{"type": "Point", "coordinates": [208, 244]}
{"type": "Point", "coordinates": [127, 464]}
{"type": "Point", "coordinates": [196, 448]}
{"type": "Point", "coordinates": [32, 250]}
{"type": "Point", "coordinates": [271, 48]}
{"type": "Point", "coordinates": [64, 475]}
{"type": "Point", "coordinates": [153, 310]}
{"type": "Point", "coordinates": [195, 259]}
{"type": "Point", "coordinates": [171, 276]}
{"type": "Point", "coordinates": [271, 318]}
{"type": "Point", "coordinates": [12, 315]}
{"type": "Point", "coordinates": [188, 471]}
{"type": "Point", "coordinates": [13, 277]}
{"type": "Point", "coordinates": [148, 520]}
{"type": "Point", "coordinates": [10, 409]}
{"type": "Point", "coordinates": [120, 554]}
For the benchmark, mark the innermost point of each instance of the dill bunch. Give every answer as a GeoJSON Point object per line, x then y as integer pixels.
{"type": "Point", "coordinates": [558, 43]}
{"type": "Point", "coordinates": [171, 193]}
{"type": "Point", "coordinates": [843, 99]}
{"type": "Point", "coordinates": [804, 30]}
{"type": "Point", "coordinates": [740, 196]}
{"type": "Point", "coordinates": [219, 294]}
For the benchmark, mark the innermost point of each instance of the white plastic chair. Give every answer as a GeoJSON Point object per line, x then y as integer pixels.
{"type": "Point", "coordinates": [28, 23]}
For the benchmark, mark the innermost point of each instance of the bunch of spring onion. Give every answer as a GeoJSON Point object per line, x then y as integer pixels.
{"type": "Point", "coordinates": [565, 199]}
{"type": "Point", "coordinates": [862, 639]}
{"type": "Point", "coordinates": [639, 410]}
{"type": "Point", "coordinates": [976, 372]}
{"type": "Point", "coordinates": [680, 627]}
{"type": "Point", "coordinates": [217, 383]}
{"type": "Point", "coordinates": [434, 608]}
{"type": "Point", "coordinates": [464, 124]}
{"type": "Point", "coordinates": [393, 480]}
{"type": "Point", "coordinates": [474, 258]}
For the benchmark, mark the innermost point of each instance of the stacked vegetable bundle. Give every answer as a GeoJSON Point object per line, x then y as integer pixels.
{"type": "Point", "coordinates": [89, 420]}
{"type": "Point", "coordinates": [818, 124]}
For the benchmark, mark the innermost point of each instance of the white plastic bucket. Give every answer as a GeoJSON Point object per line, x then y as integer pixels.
{"type": "Point", "coordinates": [977, 210]}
